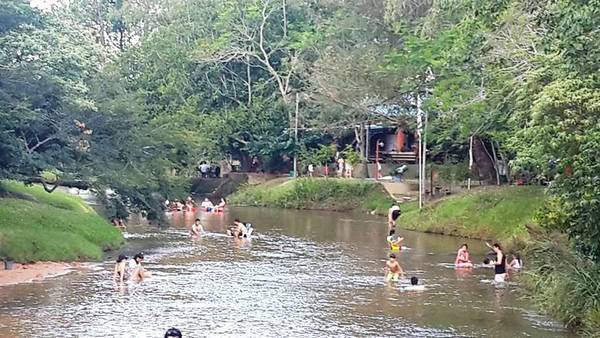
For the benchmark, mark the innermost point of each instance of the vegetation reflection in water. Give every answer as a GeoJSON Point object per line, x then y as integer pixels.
{"type": "Point", "coordinates": [304, 274]}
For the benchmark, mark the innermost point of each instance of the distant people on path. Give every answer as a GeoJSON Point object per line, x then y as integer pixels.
{"type": "Point", "coordinates": [395, 241]}
{"type": "Point", "coordinates": [349, 170]}
{"type": "Point", "coordinates": [516, 263]}
{"type": "Point", "coordinates": [462, 257]}
{"type": "Point", "coordinates": [120, 269]}
{"type": "Point", "coordinates": [196, 229]}
{"type": "Point", "coordinates": [173, 333]}
{"type": "Point", "coordinates": [204, 169]}
{"type": "Point", "coordinates": [340, 167]}
{"type": "Point", "coordinates": [378, 175]}
{"type": "Point", "coordinates": [393, 214]}
{"type": "Point", "coordinates": [393, 270]}
{"type": "Point", "coordinates": [311, 170]}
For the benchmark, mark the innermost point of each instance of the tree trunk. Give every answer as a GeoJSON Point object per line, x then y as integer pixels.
{"type": "Point", "coordinates": [482, 161]}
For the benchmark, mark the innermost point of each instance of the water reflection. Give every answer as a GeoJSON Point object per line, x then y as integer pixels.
{"type": "Point", "coordinates": [304, 274]}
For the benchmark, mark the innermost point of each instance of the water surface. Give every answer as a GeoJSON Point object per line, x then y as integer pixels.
{"type": "Point", "coordinates": [305, 274]}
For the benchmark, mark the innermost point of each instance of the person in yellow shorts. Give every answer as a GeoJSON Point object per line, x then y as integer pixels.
{"type": "Point", "coordinates": [395, 241]}
{"type": "Point", "coordinates": [393, 270]}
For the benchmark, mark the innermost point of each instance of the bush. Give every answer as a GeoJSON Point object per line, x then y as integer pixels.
{"type": "Point", "coordinates": [564, 284]}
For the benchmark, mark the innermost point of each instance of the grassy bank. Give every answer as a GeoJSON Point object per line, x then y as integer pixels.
{"type": "Point", "coordinates": [564, 284]}
{"type": "Point", "coordinates": [493, 213]}
{"type": "Point", "coordinates": [37, 226]}
{"type": "Point", "coordinates": [316, 194]}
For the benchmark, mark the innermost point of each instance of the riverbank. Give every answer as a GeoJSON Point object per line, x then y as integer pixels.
{"type": "Point", "coordinates": [315, 194]}
{"type": "Point", "coordinates": [38, 226]}
{"type": "Point", "coordinates": [25, 273]}
{"type": "Point", "coordinates": [491, 213]}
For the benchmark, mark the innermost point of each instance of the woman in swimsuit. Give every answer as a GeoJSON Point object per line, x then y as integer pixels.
{"type": "Point", "coordinates": [462, 257]}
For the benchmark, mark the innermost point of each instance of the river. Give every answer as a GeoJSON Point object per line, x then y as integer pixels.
{"type": "Point", "coordinates": [304, 274]}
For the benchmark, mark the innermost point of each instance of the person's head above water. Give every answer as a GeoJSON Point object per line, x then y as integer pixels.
{"type": "Point", "coordinates": [464, 246]}
{"type": "Point", "coordinates": [486, 261]}
{"type": "Point", "coordinates": [173, 333]}
{"type": "Point", "coordinates": [414, 281]}
{"type": "Point", "coordinates": [197, 220]}
{"type": "Point", "coordinates": [393, 256]}
{"type": "Point", "coordinates": [138, 257]}
{"type": "Point", "coordinates": [121, 258]}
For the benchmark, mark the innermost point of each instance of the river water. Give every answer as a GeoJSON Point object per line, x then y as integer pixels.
{"type": "Point", "coordinates": [304, 274]}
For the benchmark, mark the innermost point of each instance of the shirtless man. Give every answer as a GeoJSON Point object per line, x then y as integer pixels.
{"type": "Point", "coordinates": [393, 214]}
{"type": "Point", "coordinates": [197, 228]}
{"type": "Point", "coordinates": [238, 229]}
{"type": "Point", "coordinates": [393, 270]}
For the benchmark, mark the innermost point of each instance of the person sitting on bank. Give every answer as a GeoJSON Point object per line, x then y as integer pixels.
{"type": "Point", "coordinates": [393, 270]}
{"type": "Point", "coordinates": [395, 241]}
{"type": "Point", "coordinates": [462, 257]}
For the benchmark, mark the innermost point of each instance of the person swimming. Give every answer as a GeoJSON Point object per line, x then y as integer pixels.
{"type": "Point", "coordinates": [414, 285]}
{"type": "Point", "coordinates": [196, 228]}
{"type": "Point", "coordinates": [393, 270]}
{"type": "Point", "coordinates": [173, 333]}
{"type": "Point", "coordinates": [395, 241]}
{"type": "Point", "coordinates": [462, 257]}
{"type": "Point", "coordinates": [120, 268]}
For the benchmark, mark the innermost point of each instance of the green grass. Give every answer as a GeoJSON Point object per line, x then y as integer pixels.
{"type": "Point", "coordinates": [493, 213]}
{"type": "Point", "coordinates": [37, 226]}
{"type": "Point", "coordinates": [316, 194]}
{"type": "Point", "coordinates": [564, 284]}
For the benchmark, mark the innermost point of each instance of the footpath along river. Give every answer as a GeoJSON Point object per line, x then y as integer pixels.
{"type": "Point", "coordinates": [304, 274]}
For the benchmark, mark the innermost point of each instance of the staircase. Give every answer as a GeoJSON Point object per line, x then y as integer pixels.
{"type": "Point", "coordinates": [397, 157]}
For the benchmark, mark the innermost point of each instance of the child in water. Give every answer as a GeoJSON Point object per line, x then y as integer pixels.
{"type": "Point", "coordinates": [120, 268]}
{"type": "Point", "coordinates": [196, 228]}
{"type": "Point", "coordinates": [395, 241]}
{"type": "Point", "coordinates": [414, 285]}
{"type": "Point", "coordinates": [393, 270]}
{"type": "Point", "coordinates": [138, 273]}
{"type": "Point", "coordinates": [516, 263]}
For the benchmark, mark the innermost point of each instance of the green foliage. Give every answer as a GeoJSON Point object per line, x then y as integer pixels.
{"type": "Point", "coordinates": [53, 227]}
{"type": "Point", "coordinates": [564, 284]}
{"type": "Point", "coordinates": [351, 155]}
{"type": "Point", "coordinates": [495, 213]}
{"type": "Point", "coordinates": [320, 194]}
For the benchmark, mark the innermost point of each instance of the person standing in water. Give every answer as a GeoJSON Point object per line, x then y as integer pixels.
{"type": "Point", "coordinates": [196, 228]}
{"type": "Point", "coordinates": [393, 214]}
{"type": "Point", "coordinates": [120, 268]}
{"type": "Point", "coordinates": [393, 270]}
{"type": "Point", "coordinates": [499, 263]}
{"type": "Point", "coordinates": [462, 257]}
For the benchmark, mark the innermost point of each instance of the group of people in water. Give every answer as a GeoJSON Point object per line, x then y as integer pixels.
{"type": "Point", "coordinates": [189, 205]}
{"type": "Point", "coordinates": [495, 259]}
{"type": "Point", "coordinates": [130, 269]}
